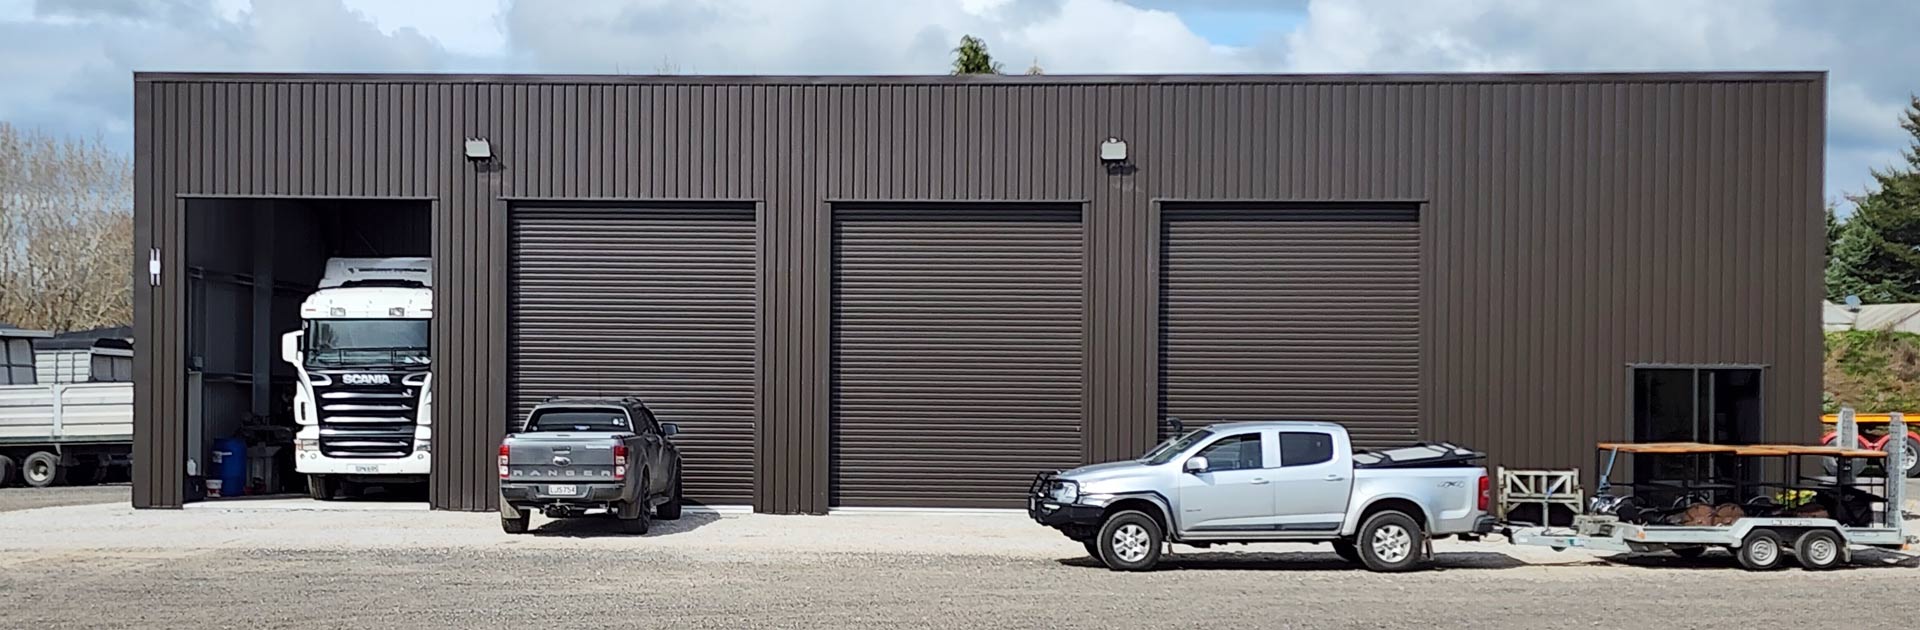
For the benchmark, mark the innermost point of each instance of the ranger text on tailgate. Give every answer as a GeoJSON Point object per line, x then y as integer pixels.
{"type": "Point", "coordinates": [576, 455]}
{"type": "Point", "coordinates": [1246, 482]}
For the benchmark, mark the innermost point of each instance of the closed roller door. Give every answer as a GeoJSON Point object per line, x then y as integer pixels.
{"type": "Point", "coordinates": [1292, 314]}
{"type": "Point", "coordinates": [957, 353]}
{"type": "Point", "coordinates": [657, 303]}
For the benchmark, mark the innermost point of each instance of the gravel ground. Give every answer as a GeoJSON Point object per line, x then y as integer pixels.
{"type": "Point", "coordinates": [29, 498]}
{"type": "Point", "coordinates": [109, 566]}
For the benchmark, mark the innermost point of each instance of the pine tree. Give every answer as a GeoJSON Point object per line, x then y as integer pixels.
{"type": "Point", "coordinates": [972, 57]}
{"type": "Point", "coordinates": [1876, 254]}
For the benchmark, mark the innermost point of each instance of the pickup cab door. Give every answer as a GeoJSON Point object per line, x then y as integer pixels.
{"type": "Point", "coordinates": [1234, 493]}
{"type": "Point", "coordinates": [1313, 480]}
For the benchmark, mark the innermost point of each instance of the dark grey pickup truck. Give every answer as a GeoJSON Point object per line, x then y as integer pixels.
{"type": "Point", "coordinates": [580, 454]}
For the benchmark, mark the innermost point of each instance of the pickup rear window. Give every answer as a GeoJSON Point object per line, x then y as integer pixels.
{"type": "Point", "coordinates": [578, 420]}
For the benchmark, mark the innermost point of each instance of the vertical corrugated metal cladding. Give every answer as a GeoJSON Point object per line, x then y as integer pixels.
{"type": "Point", "coordinates": [1569, 225]}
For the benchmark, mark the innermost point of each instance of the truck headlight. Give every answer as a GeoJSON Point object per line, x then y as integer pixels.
{"type": "Point", "coordinates": [1064, 491]}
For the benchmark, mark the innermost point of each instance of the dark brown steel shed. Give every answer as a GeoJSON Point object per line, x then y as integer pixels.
{"type": "Point", "coordinates": [1507, 261]}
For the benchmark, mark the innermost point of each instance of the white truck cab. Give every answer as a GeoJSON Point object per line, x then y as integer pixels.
{"type": "Point", "coordinates": [365, 388]}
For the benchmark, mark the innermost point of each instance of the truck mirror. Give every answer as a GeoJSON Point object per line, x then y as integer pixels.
{"type": "Point", "coordinates": [290, 347]}
{"type": "Point", "coordinates": [669, 429]}
{"type": "Point", "coordinates": [1196, 465]}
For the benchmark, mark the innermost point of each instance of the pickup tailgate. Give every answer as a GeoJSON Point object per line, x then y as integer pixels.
{"type": "Point", "coordinates": [562, 456]}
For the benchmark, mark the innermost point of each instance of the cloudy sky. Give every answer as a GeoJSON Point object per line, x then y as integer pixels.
{"type": "Point", "coordinates": [66, 63]}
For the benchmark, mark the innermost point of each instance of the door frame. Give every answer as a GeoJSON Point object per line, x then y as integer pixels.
{"type": "Point", "coordinates": [1628, 420]}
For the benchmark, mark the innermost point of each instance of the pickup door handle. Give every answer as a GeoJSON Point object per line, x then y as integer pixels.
{"type": "Point", "coordinates": [1259, 482]}
{"type": "Point", "coordinates": [1336, 478]}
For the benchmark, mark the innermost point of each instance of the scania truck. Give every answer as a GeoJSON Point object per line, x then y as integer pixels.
{"type": "Point", "coordinates": [365, 384]}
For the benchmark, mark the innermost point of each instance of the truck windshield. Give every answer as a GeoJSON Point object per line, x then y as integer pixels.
{"type": "Point", "coordinates": [578, 420]}
{"type": "Point", "coordinates": [1167, 450]}
{"type": "Point", "coordinates": [367, 341]}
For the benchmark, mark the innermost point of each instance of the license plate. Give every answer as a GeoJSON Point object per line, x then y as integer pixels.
{"type": "Point", "coordinates": [368, 469]}
{"type": "Point", "coordinates": [566, 490]}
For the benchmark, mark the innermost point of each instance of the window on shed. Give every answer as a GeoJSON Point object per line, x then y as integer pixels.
{"type": "Point", "coordinates": [16, 367]}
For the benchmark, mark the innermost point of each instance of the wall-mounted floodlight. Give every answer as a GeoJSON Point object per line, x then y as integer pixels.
{"type": "Point", "coordinates": [1113, 150]}
{"type": "Point", "coordinates": [479, 149]}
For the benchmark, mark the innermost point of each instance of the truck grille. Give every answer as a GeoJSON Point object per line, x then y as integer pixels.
{"type": "Point", "coordinates": [372, 421]}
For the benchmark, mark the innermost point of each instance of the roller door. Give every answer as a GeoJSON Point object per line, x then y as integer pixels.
{"type": "Point", "coordinates": [653, 302]}
{"type": "Point", "coordinates": [1292, 314]}
{"type": "Point", "coordinates": [957, 353]}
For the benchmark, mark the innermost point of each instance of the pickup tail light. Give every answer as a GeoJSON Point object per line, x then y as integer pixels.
{"type": "Point", "coordinates": [1486, 493]}
{"type": "Point", "coordinates": [504, 449]}
{"type": "Point", "coordinates": [619, 461]}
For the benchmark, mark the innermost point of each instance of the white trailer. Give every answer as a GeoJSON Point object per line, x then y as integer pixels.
{"type": "Point", "coordinates": [1757, 543]}
{"type": "Point", "coordinates": [65, 432]}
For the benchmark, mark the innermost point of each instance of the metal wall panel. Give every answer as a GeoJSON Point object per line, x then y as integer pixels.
{"type": "Point", "coordinates": [653, 302]}
{"type": "Point", "coordinates": [1292, 313]}
{"type": "Point", "coordinates": [958, 349]}
{"type": "Point", "coordinates": [1571, 224]}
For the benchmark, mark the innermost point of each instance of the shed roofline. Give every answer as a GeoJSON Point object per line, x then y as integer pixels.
{"type": "Point", "coordinates": [1789, 76]}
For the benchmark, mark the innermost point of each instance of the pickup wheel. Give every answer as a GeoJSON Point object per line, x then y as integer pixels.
{"type": "Point", "coordinates": [322, 487]}
{"type": "Point", "coordinates": [1093, 549]}
{"type": "Point", "coordinates": [42, 469]}
{"type": "Point", "coordinates": [1390, 541]}
{"type": "Point", "coordinates": [670, 510]}
{"type": "Point", "coordinates": [1129, 541]}
{"type": "Point", "coordinates": [516, 525]}
{"type": "Point", "coordinates": [1347, 551]}
{"type": "Point", "coordinates": [635, 520]}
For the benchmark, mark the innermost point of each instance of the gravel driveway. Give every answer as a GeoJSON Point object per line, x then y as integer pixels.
{"type": "Point", "coordinates": [30, 498]}
{"type": "Point", "coordinates": [108, 566]}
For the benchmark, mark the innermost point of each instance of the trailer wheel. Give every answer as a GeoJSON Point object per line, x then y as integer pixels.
{"type": "Point", "coordinates": [1761, 551]}
{"type": "Point", "coordinates": [1820, 549]}
{"type": "Point", "coordinates": [42, 469]}
{"type": "Point", "coordinates": [7, 471]}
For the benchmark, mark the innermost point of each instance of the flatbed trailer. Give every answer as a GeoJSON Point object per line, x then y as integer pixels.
{"type": "Point", "coordinates": [1758, 543]}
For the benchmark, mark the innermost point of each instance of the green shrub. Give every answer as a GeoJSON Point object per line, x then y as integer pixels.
{"type": "Point", "coordinates": [1874, 371]}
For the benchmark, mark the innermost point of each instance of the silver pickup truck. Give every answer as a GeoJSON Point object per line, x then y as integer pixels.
{"type": "Point", "coordinates": [576, 455]}
{"type": "Point", "coordinates": [1247, 482]}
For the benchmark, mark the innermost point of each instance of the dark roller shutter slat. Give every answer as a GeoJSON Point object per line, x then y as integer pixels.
{"type": "Point", "coordinates": [1284, 314]}
{"type": "Point", "coordinates": [657, 303]}
{"type": "Point", "coordinates": [957, 354]}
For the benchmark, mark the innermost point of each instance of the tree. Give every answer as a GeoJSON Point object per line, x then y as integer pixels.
{"type": "Point", "coordinates": [1876, 253]}
{"type": "Point", "coordinates": [972, 57]}
{"type": "Point", "coordinates": [66, 232]}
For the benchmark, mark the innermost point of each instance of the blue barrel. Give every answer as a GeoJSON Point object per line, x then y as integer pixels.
{"type": "Point", "coordinates": [230, 465]}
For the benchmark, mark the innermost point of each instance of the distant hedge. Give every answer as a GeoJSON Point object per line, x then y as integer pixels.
{"type": "Point", "coordinates": [1875, 371]}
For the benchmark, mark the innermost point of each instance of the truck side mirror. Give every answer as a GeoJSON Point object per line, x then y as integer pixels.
{"type": "Point", "coordinates": [290, 347]}
{"type": "Point", "coordinates": [1195, 465]}
{"type": "Point", "coordinates": [669, 429]}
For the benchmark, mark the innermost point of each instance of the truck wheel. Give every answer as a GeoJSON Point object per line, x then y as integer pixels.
{"type": "Point", "coordinates": [7, 471]}
{"type": "Point", "coordinates": [670, 511]}
{"type": "Point", "coordinates": [1761, 551]}
{"type": "Point", "coordinates": [1347, 551]}
{"type": "Point", "coordinates": [516, 525]}
{"type": "Point", "coordinates": [321, 487]}
{"type": "Point", "coordinates": [1390, 541]}
{"type": "Point", "coordinates": [42, 469]}
{"type": "Point", "coordinates": [1913, 458]}
{"type": "Point", "coordinates": [1820, 549]}
{"type": "Point", "coordinates": [1129, 541]}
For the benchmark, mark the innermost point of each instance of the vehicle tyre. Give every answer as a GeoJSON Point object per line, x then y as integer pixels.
{"type": "Point", "coordinates": [42, 469]}
{"type": "Point", "coordinates": [7, 471]}
{"type": "Point", "coordinates": [1129, 541]}
{"type": "Point", "coordinates": [634, 519]}
{"type": "Point", "coordinates": [1390, 541]}
{"type": "Point", "coordinates": [1761, 551]}
{"type": "Point", "coordinates": [1347, 551]}
{"type": "Point", "coordinates": [1688, 552]}
{"type": "Point", "coordinates": [321, 487]}
{"type": "Point", "coordinates": [1093, 549]}
{"type": "Point", "coordinates": [1832, 466]}
{"type": "Point", "coordinates": [516, 525]}
{"type": "Point", "coordinates": [1820, 550]}
{"type": "Point", "coordinates": [670, 510]}
{"type": "Point", "coordinates": [1913, 458]}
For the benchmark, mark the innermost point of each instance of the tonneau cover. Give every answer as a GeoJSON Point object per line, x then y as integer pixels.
{"type": "Point", "coordinates": [1422, 455]}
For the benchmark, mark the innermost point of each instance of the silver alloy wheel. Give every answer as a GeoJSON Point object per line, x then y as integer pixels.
{"type": "Point", "coordinates": [1131, 542]}
{"type": "Point", "coordinates": [1392, 543]}
{"type": "Point", "coordinates": [1821, 552]}
{"type": "Point", "coordinates": [1764, 551]}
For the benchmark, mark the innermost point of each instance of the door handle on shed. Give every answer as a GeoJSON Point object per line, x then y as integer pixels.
{"type": "Point", "coordinates": [1259, 482]}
